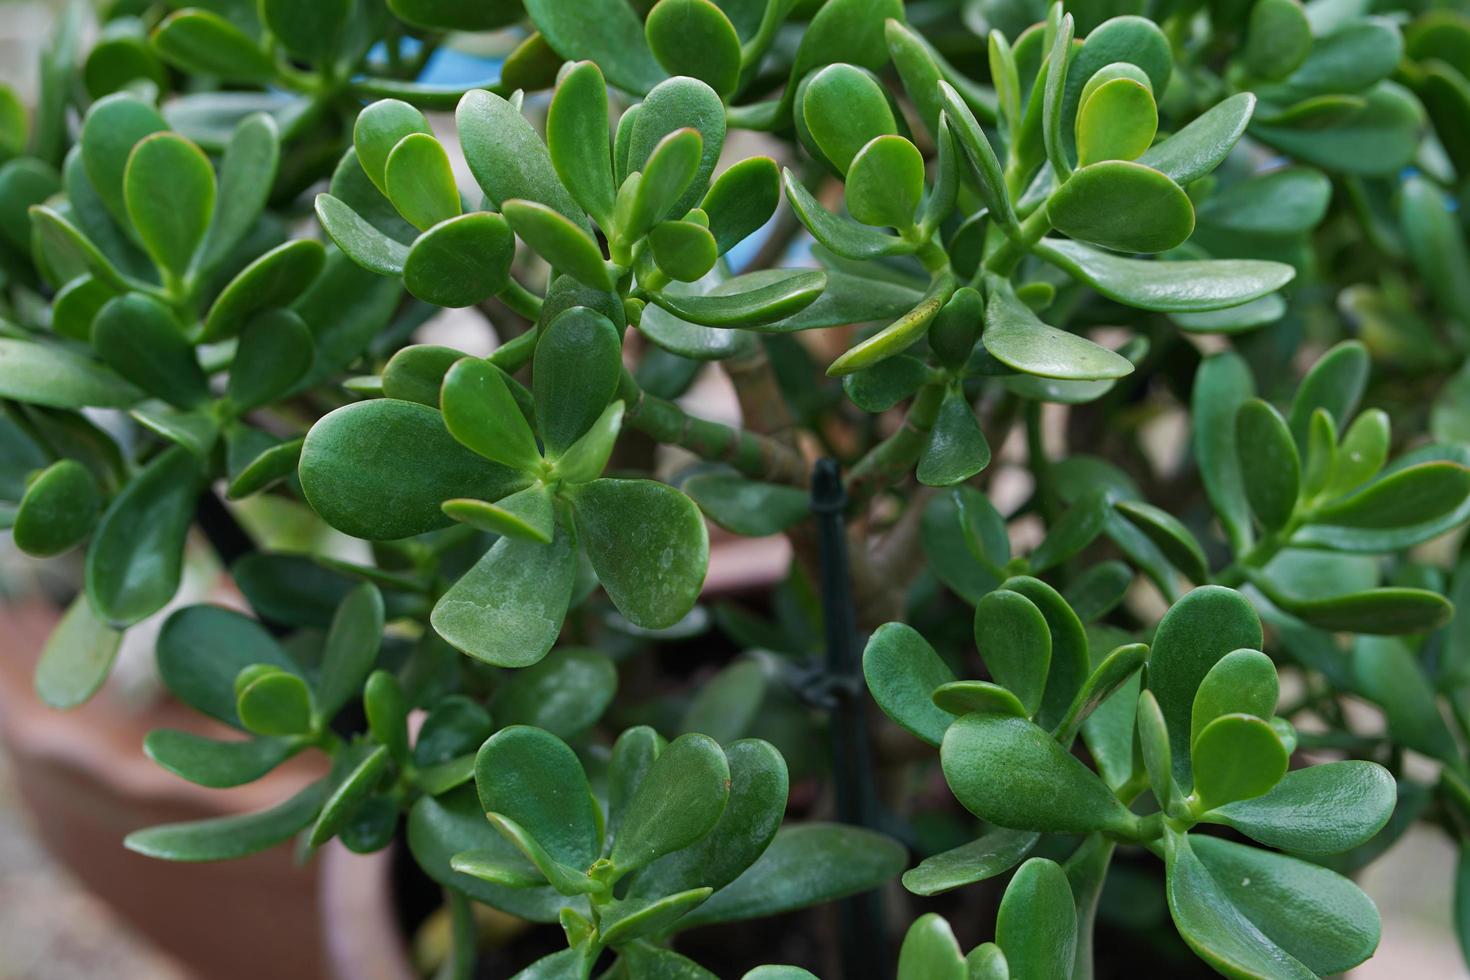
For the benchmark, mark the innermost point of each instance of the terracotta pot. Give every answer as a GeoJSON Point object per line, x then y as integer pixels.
{"type": "Point", "coordinates": [86, 783]}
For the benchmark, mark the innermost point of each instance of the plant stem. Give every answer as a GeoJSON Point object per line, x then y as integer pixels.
{"type": "Point", "coordinates": [893, 457]}
{"type": "Point", "coordinates": [754, 455]}
{"type": "Point", "coordinates": [1011, 251]}
{"type": "Point", "coordinates": [1044, 492]}
{"type": "Point", "coordinates": [522, 300]}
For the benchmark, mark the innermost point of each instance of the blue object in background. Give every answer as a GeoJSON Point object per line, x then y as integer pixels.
{"type": "Point", "coordinates": [446, 66]}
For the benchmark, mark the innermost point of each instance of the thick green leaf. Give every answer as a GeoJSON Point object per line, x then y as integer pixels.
{"type": "Point", "coordinates": [746, 827]}
{"type": "Point", "coordinates": [363, 243]}
{"type": "Point", "coordinates": [1009, 772]}
{"type": "Point", "coordinates": [348, 795]}
{"type": "Point", "coordinates": [378, 129]}
{"type": "Point", "coordinates": [995, 852]}
{"type": "Point", "coordinates": [43, 374]}
{"type": "Point", "coordinates": [508, 609]}
{"type": "Point", "coordinates": [679, 801]}
{"type": "Point", "coordinates": [633, 919]}
{"type": "Point", "coordinates": [1036, 923]}
{"type": "Point", "coordinates": [675, 104]}
{"type": "Point", "coordinates": [481, 412]}
{"type": "Point", "coordinates": [1203, 145]}
{"type": "Point", "coordinates": [963, 697]}
{"type": "Point", "coordinates": [1269, 464]}
{"type": "Point", "coordinates": [1196, 632]}
{"type": "Point", "coordinates": [215, 763]}
{"type": "Point", "coordinates": [1117, 669]}
{"type": "Point", "coordinates": [1236, 757]}
{"type": "Point", "coordinates": [1167, 287]}
{"type": "Point", "coordinates": [1387, 673]}
{"type": "Point", "coordinates": [528, 514]}
{"type": "Point", "coordinates": [58, 511]}
{"type": "Point", "coordinates": [1316, 915]}
{"type": "Point", "coordinates": [841, 235]}
{"type": "Point", "coordinates": [696, 39]}
{"type": "Point", "coordinates": [532, 777]}
{"type": "Point", "coordinates": [1070, 663]}
{"type": "Point", "coordinates": [885, 182]}
{"type": "Point", "coordinates": [1015, 643]}
{"type": "Point", "coordinates": [1335, 383]}
{"type": "Point", "coordinates": [1278, 39]}
{"type": "Point", "coordinates": [274, 353]}
{"type": "Point", "coordinates": [386, 708]}
{"type": "Point", "coordinates": [351, 648]}
{"type": "Point", "coordinates": [902, 671]}
{"type": "Point", "coordinates": [1361, 453]}
{"type": "Point", "coordinates": [648, 545]}
{"type": "Point", "coordinates": [1379, 540]}
{"type": "Point", "coordinates": [1116, 121]}
{"type": "Point", "coordinates": [683, 250]}
{"type": "Point", "coordinates": [747, 507]}
{"type": "Point", "coordinates": [1130, 39]}
{"type": "Point", "coordinates": [564, 694]}
{"type": "Point", "coordinates": [169, 187]}
{"type": "Point", "coordinates": [380, 469]}
{"type": "Point", "coordinates": [741, 200]}
{"type": "Point", "coordinates": [1378, 136]}
{"type": "Point", "coordinates": [577, 138]}
{"type": "Point", "coordinates": [899, 335]}
{"type": "Point", "coordinates": [957, 449]}
{"type": "Point", "coordinates": [560, 242]}
{"type": "Point", "coordinates": [461, 261]}
{"type": "Point", "coordinates": [275, 279]}
{"type": "Point", "coordinates": [748, 301]}
{"type": "Point", "coordinates": [843, 109]}
{"type": "Point", "coordinates": [234, 642]}
{"type": "Point", "coordinates": [1380, 612]}
{"type": "Point", "coordinates": [309, 31]}
{"type": "Point", "coordinates": [506, 155]}
{"type": "Point", "coordinates": [930, 951]}
{"type": "Point", "coordinates": [442, 827]}
{"type": "Point", "coordinates": [418, 180]}
{"type": "Point", "coordinates": [576, 371]}
{"type": "Point", "coordinates": [75, 306]}
{"type": "Point", "coordinates": [1221, 386]}
{"type": "Point", "coordinates": [1175, 540]}
{"type": "Point", "coordinates": [1404, 498]}
{"type": "Point", "coordinates": [1073, 531]}
{"type": "Point", "coordinates": [586, 458]}
{"type": "Point", "coordinates": [806, 864]}
{"type": "Point", "coordinates": [200, 42]}
{"type": "Point", "coordinates": [1124, 206]}
{"type": "Point", "coordinates": [141, 339]}
{"type": "Point", "coordinates": [110, 130]}
{"type": "Point", "coordinates": [229, 838]}
{"type": "Point", "coordinates": [136, 556]}
{"type": "Point", "coordinates": [1015, 337]}
{"type": "Point", "coordinates": [77, 658]}
{"type": "Point", "coordinates": [1155, 753]}
{"type": "Point", "coordinates": [605, 31]}
{"type": "Point", "coordinates": [270, 701]}
{"type": "Point", "coordinates": [1324, 809]}
{"type": "Point", "coordinates": [984, 165]}
{"type": "Point", "coordinates": [1241, 682]}
{"type": "Point", "coordinates": [668, 173]}
{"type": "Point", "coordinates": [1213, 927]}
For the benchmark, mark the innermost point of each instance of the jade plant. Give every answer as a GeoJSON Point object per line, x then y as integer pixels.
{"type": "Point", "coordinates": [1103, 376]}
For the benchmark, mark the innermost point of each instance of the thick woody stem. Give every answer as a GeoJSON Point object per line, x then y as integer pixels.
{"type": "Point", "coordinates": [758, 457]}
